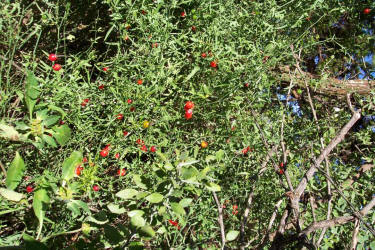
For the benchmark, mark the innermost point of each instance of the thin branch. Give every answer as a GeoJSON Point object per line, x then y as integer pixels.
{"type": "Point", "coordinates": [220, 220]}
{"type": "Point", "coordinates": [354, 242]}
{"type": "Point", "coordinates": [3, 169]}
{"type": "Point", "coordinates": [348, 96]}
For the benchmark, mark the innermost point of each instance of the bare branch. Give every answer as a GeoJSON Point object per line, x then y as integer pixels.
{"type": "Point", "coordinates": [220, 220]}
{"type": "Point", "coordinates": [354, 242]}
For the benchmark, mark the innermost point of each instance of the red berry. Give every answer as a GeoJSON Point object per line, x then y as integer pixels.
{"type": "Point", "coordinates": [144, 148]}
{"type": "Point", "coordinates": [56, 67]}
{"type": "Point", "coordinates": [125, 133]}
{"type": "Point", "coordinates": [120, 116]}
{"type": "Point", "coordinates": [78, 170]}
{"type": "Point", "coordinates": [86, 100]}
{"type": "Point", "coordinates": [121, 172]}
{"type": "Point", "coordinates": [204, 55]}
{"type": "Point", "coordinates": [235, 212]}
{"type": "Point", "coordinates": [62, 122]}
{"type": "Point", "coordinates": [193, 28]}
{"type": "Point", "coordinates": [154, 45]}
{"type": "Point", "coordinates": [130, 101]}
{"type": "Point", "coordinates": [189, 114]}
{"type": "Point", "coordinates": [101, 87]}
{"type": "Point", "coordinates": [140, 142]}
{"type": "Point", "coordinates": [105, 69]}
{"type": "Point", "coordinates": [366, 11]}
{"type": "Point", "coordinates": [153, 149]}
{"type": "Point", "coordinates": [84, 160]}
{"type": "Point", "coordinates": [143, 12]}
{"type": "Point", "coordinates": [83, 104]}
{"type": "Point", "coordinates": [183, 14]}
{"type": "Point", "coordinates": [95, 188]}
{"type": "Point", "coordinates": [244, 151]}
{"type": "Point", "coordinates": [235, 207]}
{"type": "Point", "coordinates": [189, 105]}
{"type": "Point", "coordinates": [140, 81]}
{"type": "Point", "coordinates": [104, 152]}
{"type": "Point", "coordinates": [29, 189]}
{"type": "Point", "coordinates": [281, 172]}
{"type": "Point", "coordinates": [117, 155]}
{"type": "Point", "coordinates": [213, 64]}
{"type": "Point", "coordinates": [132, 109]}
{"type": "Point", "coordinates": [52, 57]}
{"type": "Point", "coordinates": [246, 85]}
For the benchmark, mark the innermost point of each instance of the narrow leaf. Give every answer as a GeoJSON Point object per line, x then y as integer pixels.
{"type": "Point", "coordinates": [15, 172]}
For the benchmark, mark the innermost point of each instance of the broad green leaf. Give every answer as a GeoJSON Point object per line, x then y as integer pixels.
{"type": "Point", "coordinates": [138, 181]}
{"type": "Point", "coordinates": [213, 187]}
{"type": "Point", "coordinates": [168, 166]}
{"type": "Point", "coordinates": [9, 133]}
{"type": "Point", "coordinates": [57, 109]}
{"type": "Point", "coordinates": [70, 164]}
{"type": "Point", "coordinates": [115, 208]}
{"type": "Point", "coordinates": [210, 158]}
{"type": "Point", "coordinates": [41, 114]}
{"type": "Point", "coordinates": [11, 195]}
{"type": "Point", "coordinates": [141, 195]}
{"type": "Point", "coordinates": [32, 244]}
{"type": "Point", "coordinates": [137, 221]}
{"type": "Point", "coordinates": [99, 218]}
{"type": "Point", "coordinates": [136, 213]}
{"type": "Point", "coordinates": [219, 155]}
{"type": "Point", "coordinates": [40, 202]}
{"type": "Point", "coordinates": [177, 208]}
{"type": "Point", "coordinates": [147, 231]}
{"type": "Point", "coordinates": [127, 194]}
{"type": "Point", "coordinates": [155, 198]}
{"type": "Point", "coordinates": [161, 155]}
{"type": "Point", "coordinates": [189, 173]}
{"type": "Point", "coordinates": [82, 205]}
{"type": "Point", "coordinates": [32, 91]}
{"type": "Point", "coordinates": [185, 202]}
{"type": "Point", "coordinates": [51, 120]}
{"type": "Point", "coordinates": [62, 134]}
{"type": "Point", "coordinates": [74, 208]}
{"type": "Point", "coordinates": [15, 172]}
{"type": "Point", "coordinates": [232, 235]}
{"type": "Point", "coordinates": [49, 140]}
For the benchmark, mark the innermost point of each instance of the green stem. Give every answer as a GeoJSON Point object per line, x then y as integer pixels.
{"type": "Point", "coordinates": [61, 233]}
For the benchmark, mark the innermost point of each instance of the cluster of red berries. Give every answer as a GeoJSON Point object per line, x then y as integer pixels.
{"type": "Point", "coordinates": [79, 168]}
{"type": "Point", "coordinates": [246, 150]}
{"type": "Point", "coordinates": [84, 102]}
{"type": "Point", "coordinates": [105, 151]}
{"type": "Point", "coordinates": [144, 147]}
{"type": "Point", "coordinates": [189, 106]}
{"type": "Point", "coordinates": [235, 211]}
{"type": "Point", "coordinates": [53, 58]}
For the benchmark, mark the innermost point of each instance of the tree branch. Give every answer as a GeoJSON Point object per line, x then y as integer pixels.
{"type": "Point", "coordinates": [220, 220]}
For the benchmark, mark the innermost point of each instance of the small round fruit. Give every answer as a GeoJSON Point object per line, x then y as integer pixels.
{"type": "Point", "coordinates": [183, 14]}
{"type": "Point", "coordinates": [101, 87]}
{"type": "Point", "coordinates": [125, 133]}
{"type": "Point", "coordinates": [52, 57]}
{"type": "Point", "coordinates": [117, 155]}
{"type": "Point", "coordinates": [246, 85]}
{"type": "Point", "coordinates": [146, 124]}
{"type": "Point", "coordinates": [203, 55]}
{"type": "Point", "coordinates": [193, 28]}
{"type": "Point", "coordinates": [154, 45]}
{"type": "Point", "coordinates": [129, 101]}
{"type": "Point", "coordinates": [189, 105]}
{"type": "Point", "coordinates": [235, 207]}
{"type": "Point", "coordinates": [188, 114]}
{"type": "Point", "coordinates": [213, 64]}
{"type": "Point", "coordinates": [105, 69]}
{"type": "Point", "coordinates": [104, 152]}
{"type": "Point", "coordinates": [139, 81]}
{"type": "Point", "coordinates": [144, 148]}
{"type": "Point", "coordinates": [132, 109]}
{"type": "Point", "coordinates": [29, 189]}
{"type": "Point", "coordinates": [84, 160]}
{"type": "Point", "coordinates": [56, 67]}
{"type": "Point", "coordinates": [95, 188]}
{"type": "Point", "coordinates": [366, 11]}
{"type": "Point", "coordinates": [78, 170]}
{"type": "Point", "coordinates": [153, 149]}
{"type": "Point", "coordinates": [204, 144]}
{"type": "Point", "coordinates": [121, 172]}
{"type": "Point", "coordinates": [120, 116]}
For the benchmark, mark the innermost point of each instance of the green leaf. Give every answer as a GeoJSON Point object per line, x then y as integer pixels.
{"type": "Point", "coordinates": [41, 199]}
{"type": "Point", "coordinates": [49, 140]}
{"type": "Point", "coordinates": [155, 198]}
{"type": "Point", "coordinates": [189, 173]}
{"type": "Point", "coordinates": [135, 213]}
{"type": "Point", "coordinates": [70, 165]}
{"type": "Point", "coordinates": [62, 134]}
{"type": "Point", "coordinates": [51, 120]}
{"type": "Point", "coordinates": [11, 195]}
{"type": "Point", "coordinates": [137, 221]}
{"type": "Point", "coordinates": [57, 109]}
{"type": "Point", "coordinates": [15, 172]}
{"type": "Point", "coordinates": [9, 133]}
{"type": "Point", "coordinates": [32, 91]}
{"type": "Point", "coordinates": [100, 218]}
{"type": "Point", "coordinates": [232, 235]}
{"type": "Point", "coordinates": [177, 208]}
{"type": "Point", "coordinates": [115, 208]}
{"type": "Point", "coordinates": [192, 73]}
{"type": "Point", "coordinates": [127, 194]}
{"type": "Point", "coordinates": [82, 205]}
{"type": "Point", "coordinates": [219, 155]}
{"type": "Point", "coordinates": [138, 181]}
{"type": "Point", "coordinates": [185, 202]}
{"type": "Point", "coordinates": [147, 231]}
{"type": "Point", "coordinates": [32, 244]}
{"type": "Point", "coordinates": [213, 187]}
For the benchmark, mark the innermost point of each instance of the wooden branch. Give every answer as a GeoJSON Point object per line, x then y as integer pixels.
{"type": "Point", "coordinates": [220, 220]}
{"type": "Point", "coordinates": [353, 245]}
{"type": "Point", "coordinates": [330, 85]}
{"type": "Point", "coordinates": [336, 221]}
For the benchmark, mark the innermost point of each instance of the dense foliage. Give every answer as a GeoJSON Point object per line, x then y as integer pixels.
{"type": "Point", "coordinates": [186, 124]}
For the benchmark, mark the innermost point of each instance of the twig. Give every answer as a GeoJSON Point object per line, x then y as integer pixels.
{"type": "Point", "coordinates": [61, 233]}
{"type": "Point", "coordinates": [220, 220]}
{"type": "Point", "coordinates": [3, 169]}
{"type": "Point", "coordinates": [348, 95]}
{"type": "Point", "coordinates": [354, 242]}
